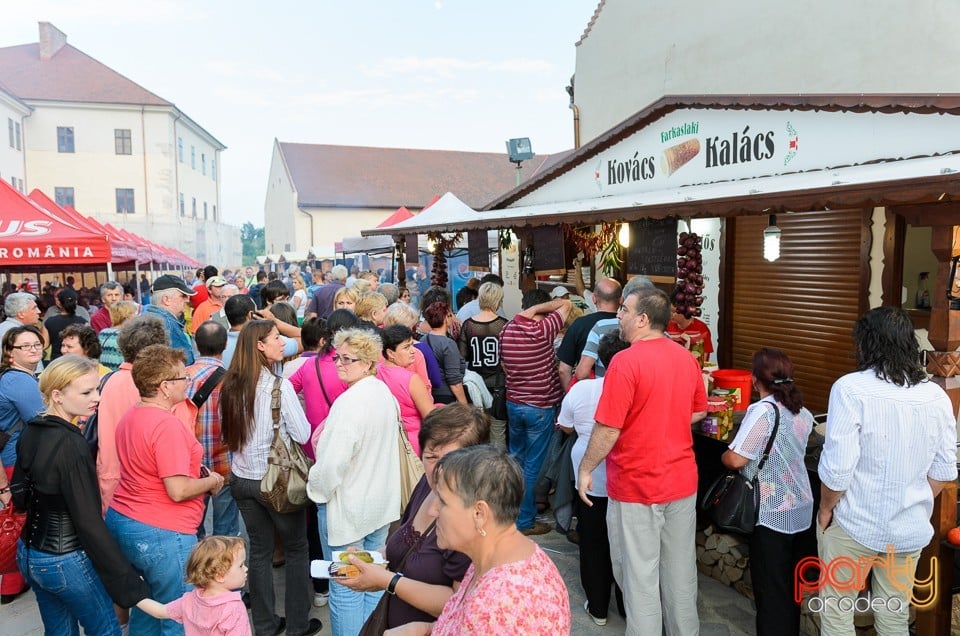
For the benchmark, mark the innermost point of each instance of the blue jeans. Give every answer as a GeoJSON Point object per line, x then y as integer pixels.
{"type": "Point", "coordinates": [161, 557]}
{"type": "Point", "coordinates": [68, 590]}
{"type": "Point", "coordinates": [530, 428]}
{"type": "Point", "coordinates": [349, 610]}
{"type": "Point", "coordinates": [226, 515]}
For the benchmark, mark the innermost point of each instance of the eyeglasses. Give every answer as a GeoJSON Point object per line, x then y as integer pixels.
{"type": "Point", "coordinates": [182, 377]}
{"type": "Point", "coordinates": [344, 359]}
{"type": "Point", "coordinates": [36, 346]}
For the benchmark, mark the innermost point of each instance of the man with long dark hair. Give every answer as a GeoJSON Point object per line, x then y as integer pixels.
{"type": "Point", "coordinates": [890, 449]}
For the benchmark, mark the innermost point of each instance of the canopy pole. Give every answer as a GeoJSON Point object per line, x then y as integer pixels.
{"type": "Point", "coordinates": [136, 281]}
{"type": "Point", "coordinates": [109, 271]}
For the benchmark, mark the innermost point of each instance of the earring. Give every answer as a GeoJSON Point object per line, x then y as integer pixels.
{"type": "Point", "coordinates": [482, 532]}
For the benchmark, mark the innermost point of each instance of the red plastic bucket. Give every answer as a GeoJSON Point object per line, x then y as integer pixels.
{"type": "Point", "coordinates": [737, 381]}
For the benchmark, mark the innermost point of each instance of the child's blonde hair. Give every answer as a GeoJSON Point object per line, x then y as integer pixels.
{"type": "Point", "coordinates": [212, 557]}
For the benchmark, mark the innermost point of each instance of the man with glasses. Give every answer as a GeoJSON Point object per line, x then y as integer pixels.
{"type": "Point", "coordinates": [652, 393]}
{"type": "Point", "coordinates": [170, 294]}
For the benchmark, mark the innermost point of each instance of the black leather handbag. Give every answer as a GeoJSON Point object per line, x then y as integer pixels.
{"type": "Point", "coordinates": [732, 499]}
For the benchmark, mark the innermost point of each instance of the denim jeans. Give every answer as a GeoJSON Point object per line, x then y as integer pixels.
{"type": "Point", "coordinates": [261, 521]}
{"type": "Point", "coordinates": [161, 557]}
{"type": "Point", "coordinates": [530, 428]}
{"type": "Point", "coordinates": [68, 591]}
{"type": "Point", "coordinates": [226, 515]}
{"type": "Point", "coordinates": [349, 610]}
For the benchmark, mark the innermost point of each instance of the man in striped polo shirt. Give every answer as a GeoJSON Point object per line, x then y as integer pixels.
{"type": "Point", "coordinates": [533, 390]}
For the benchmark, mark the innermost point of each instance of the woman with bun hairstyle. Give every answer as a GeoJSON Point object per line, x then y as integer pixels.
{"type": "Point", "coordinates": [67, 306]}
{"type": "Point", "coordinates": [786, 500]}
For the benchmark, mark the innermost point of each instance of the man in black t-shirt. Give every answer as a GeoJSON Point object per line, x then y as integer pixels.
{"type": "Point", "coordinates": [606, 296]}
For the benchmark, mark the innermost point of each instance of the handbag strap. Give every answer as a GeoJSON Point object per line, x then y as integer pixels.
{"type": "Point", "coordinates": [316, 364]}
{"type": "Point", "coordinates": [275, 403]}
{"type": "Point", "coordinates": [203, 393]}
{"type": "Point", "coordinates": [773, 436]}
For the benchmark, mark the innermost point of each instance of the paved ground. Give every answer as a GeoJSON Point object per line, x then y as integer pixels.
{"type": "Point", "coordinates": [723, 611]}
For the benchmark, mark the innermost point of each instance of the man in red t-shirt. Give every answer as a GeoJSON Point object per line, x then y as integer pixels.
{"type": "Point", "coordinates": [653, 392]}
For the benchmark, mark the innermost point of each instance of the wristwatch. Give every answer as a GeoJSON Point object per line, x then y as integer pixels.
{"type": "Point", "coordinates": [392, 586]}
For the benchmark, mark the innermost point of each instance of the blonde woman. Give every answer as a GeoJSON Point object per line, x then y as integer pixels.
{"type": "Point", "coordinates": [346, 298]}
{"type": "Point", "coordinates": [372, 308]}
{"type": "Point", "coordinates": [66, 538]}
{"type": "Point", "coordinates": [299, 298]}
{"type": "Point", "coordinates": [357, 469]}
{"type": "Point", "coordinates": [120, 312]}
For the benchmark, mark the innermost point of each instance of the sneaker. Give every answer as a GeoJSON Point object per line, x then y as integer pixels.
{"type": "Point", "coordinates": [537, 528]}
{"type": "Point", "coordinates": [596, 621]}
{"type": "Point", "coordinates": [320, 598]}
{"type": "Point", "coordinates": [313, 627]}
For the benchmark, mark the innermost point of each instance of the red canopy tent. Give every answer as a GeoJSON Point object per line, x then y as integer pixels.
{"type": "Point", "coordinates": [402, 214]}
{"type": "Point", "coordinates": [34, 237]}
{"type": "Point", "coordinates": [121, 251]}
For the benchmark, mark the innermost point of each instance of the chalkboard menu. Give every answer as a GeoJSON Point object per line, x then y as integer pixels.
{"type": "Point", "coordinates": [478, 251]}
{"type": "Point", "coordinates": [413, 251]}
{"type": "Point", "coordinates": [548, 252]}
{"type": "Point", "coordinates": [653, 247]}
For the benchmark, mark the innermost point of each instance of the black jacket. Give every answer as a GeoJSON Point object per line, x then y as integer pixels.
{"type": "Point", "coordinates": [63, 504]}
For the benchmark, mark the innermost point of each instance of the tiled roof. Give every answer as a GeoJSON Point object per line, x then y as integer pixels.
{"type": "Point", "coordinates": [362, 177]}
{"type": "Point", "coordinates": [70, 76]}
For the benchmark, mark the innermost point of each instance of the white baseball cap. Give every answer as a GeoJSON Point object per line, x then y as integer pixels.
{"type": "Point", "coordinates": [559, 291]}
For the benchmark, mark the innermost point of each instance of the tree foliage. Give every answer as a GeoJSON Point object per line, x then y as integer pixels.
{"type": "Point", "coordinates": [253, 241]}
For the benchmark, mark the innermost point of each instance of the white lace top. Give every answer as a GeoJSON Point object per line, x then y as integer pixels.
{"type": "Point", "coordinates": [786, 501]}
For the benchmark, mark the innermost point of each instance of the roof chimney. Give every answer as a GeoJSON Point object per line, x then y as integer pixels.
{"type": "Point", "coordinates": [52, 40]}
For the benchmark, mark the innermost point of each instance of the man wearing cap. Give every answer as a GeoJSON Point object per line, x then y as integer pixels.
{"type": "Point", "coordinates": [170, 294]}
{"type": "Point", "coordinates": [212, 304]}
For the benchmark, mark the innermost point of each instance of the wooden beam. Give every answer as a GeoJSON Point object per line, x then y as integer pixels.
{"type": "Point", "coordinates": [929, 214]}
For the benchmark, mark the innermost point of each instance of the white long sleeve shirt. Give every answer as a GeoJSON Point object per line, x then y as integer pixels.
{"type": "Point", "coordinates": [357, 472]}
{"type": "Point", "coordinates": [882, 443]}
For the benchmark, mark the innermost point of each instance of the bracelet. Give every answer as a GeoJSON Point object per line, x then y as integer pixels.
{"type": "Point", "coordinates": [392, 586]}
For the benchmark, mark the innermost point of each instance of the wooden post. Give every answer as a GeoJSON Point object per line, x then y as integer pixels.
{"type": "Point", "coordinates": [945, 337]}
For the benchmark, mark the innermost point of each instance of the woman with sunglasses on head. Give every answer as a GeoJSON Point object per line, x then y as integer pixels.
{"type": "Point", "coordinates": [65, 539]}
{"type": "Point", "coordinates": [20, 402]}
{"type": "Point", "coordinates": [158, 503]}
{"type": "Point", "coordinates": [247, 428]}
{"type": "Point", "coordinates": [358, 469]}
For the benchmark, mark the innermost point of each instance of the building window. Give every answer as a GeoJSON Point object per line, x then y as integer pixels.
{"type": "Point", "coordinates": [213, 169]}
{"type": "Point", "coordinates": [64, 138]}
{"type": "Point", "coordinates": [203, 164]}
{"type": "Point", "coordinates": [182, 210]}
{"type": "Point", "coordinates": [10, 131]}
{"type": "Point", "coordinates": [193, 157]}
{"type": "Point", "coordinates": [13, 181]}
{"type": "Point", "coordinates": [204, 210]}
{"type": "Point", "coordinates": [180, 149]}
{"type": "Point", "coordinates": [63, 196]}
{"type": "Point", "coordinates": [125, 201]}
{"type": "Point", "coordinates": [122, 141]}
{"type": "Point", "coordinates": [16, 126]}
{"type": "Point", "coordinates": [193, 207]}
{"type": "Point", "coordinates": [214, 213]}
{"type": "Point", "coordinates": [20, 187]}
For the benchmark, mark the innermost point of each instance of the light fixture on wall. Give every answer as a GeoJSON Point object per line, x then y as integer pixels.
{"type": "Point", "coordinates": [623, 236]}
{"type": "Point", "coordinates": [771, 240]}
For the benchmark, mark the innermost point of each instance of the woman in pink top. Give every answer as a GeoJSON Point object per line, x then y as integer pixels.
{"type": "Point", "coordinates": [411, 393]}
{"type": "Point", "coordinates": [403, 314]}
{"type": "Point", "coordinates": [158, 504]}
{"type": "Point", "coordinates": [512, 586]}
{"type": "Point", "coordinates": [316, 381]}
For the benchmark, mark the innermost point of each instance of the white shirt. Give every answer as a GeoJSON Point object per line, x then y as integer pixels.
{"type": "Point", "coordinates": [576, 412]}
{"type": "Point", "coordinates": [250, 462]}
{"type": "Point", "coordinates": [357, 472]}
{"type": "Point", "coordinates": [786, 501]}
{"type": "Point", "coordinates": [882, 443]}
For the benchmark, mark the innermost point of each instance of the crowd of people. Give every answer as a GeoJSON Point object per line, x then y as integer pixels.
{"type": "Point", "coordinates": [188, 390]}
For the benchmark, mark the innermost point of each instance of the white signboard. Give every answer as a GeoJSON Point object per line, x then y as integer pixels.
{"type": "Point", "coordinates": [696, 146]}
{"type": "Point", "coordinates": [709, 231]}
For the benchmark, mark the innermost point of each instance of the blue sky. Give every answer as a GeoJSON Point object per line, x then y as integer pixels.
{"type": "Point", "coordinates": [443, 74]}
